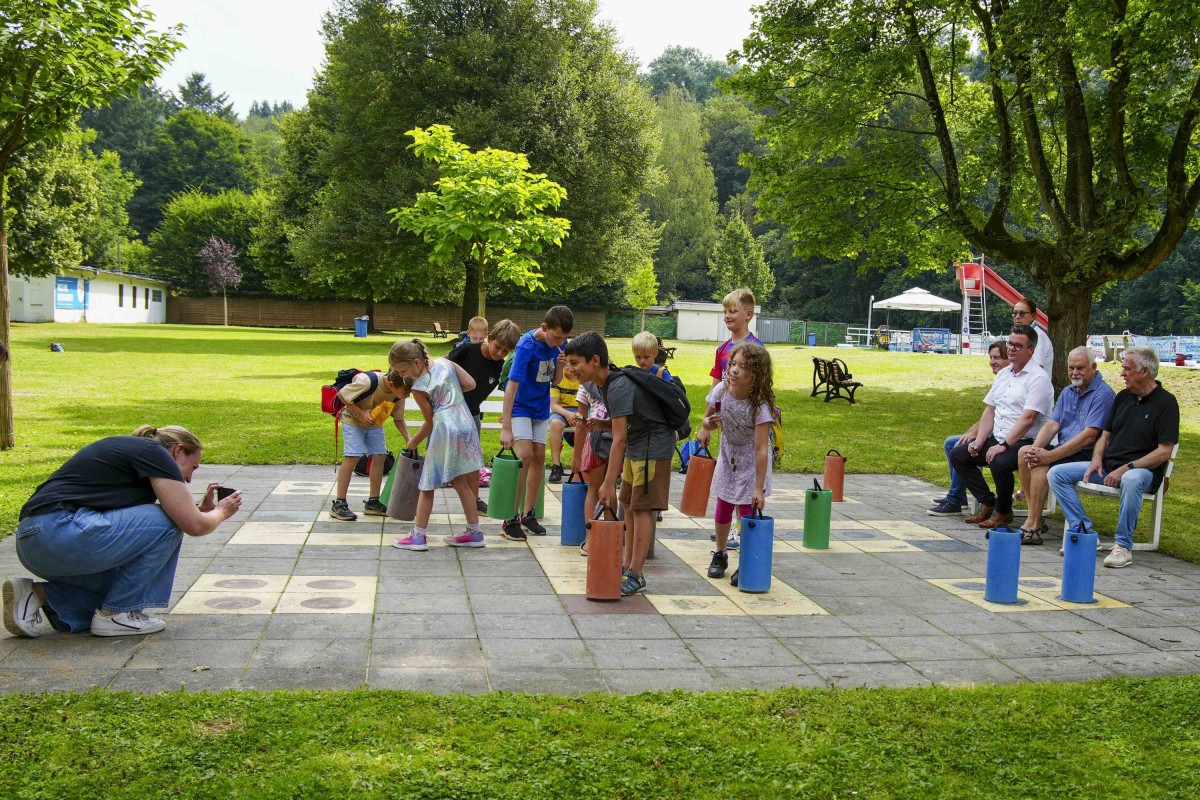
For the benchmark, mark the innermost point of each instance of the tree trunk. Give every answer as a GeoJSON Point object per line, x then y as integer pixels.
{"type": "Point", "coordinates": [8, 437]}
{"type": "Point", "coordinates": [225, 305]}
{"type": "Point", "coordinates": [371, 310]}
{"type": "Point", "coordinates": [474, 294]}
{"type": "Point", "coordinates": [1069, 309]}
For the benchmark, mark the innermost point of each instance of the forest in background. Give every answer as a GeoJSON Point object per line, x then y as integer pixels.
{"type": "Point", "coordinates": [142, 184]}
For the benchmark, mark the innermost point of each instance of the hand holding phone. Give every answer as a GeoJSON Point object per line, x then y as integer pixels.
{"type": "Point", "coordinates": [223, 492]}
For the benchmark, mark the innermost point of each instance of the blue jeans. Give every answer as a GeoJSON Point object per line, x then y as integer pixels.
{"type": "Point", "coordinates": [1134, 484]}
{"type": "Point", "coordinates": [958, 491]}
{"type": "Point", "coordinates": [119, 560]}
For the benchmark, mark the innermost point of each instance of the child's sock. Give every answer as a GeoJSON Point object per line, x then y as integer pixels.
{"type": "Point", "coordinates": [474, 527]}
{"type": "Point", "coordinates": [419, 530]}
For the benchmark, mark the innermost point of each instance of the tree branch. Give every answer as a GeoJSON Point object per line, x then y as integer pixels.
{"type": "Point", "coordinates": [995, 222]}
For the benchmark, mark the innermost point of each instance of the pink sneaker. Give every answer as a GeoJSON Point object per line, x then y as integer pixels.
{"type": "Point", "coordinates": [465, 539]}
{"type": "Point", "coordinates": [414, 541]}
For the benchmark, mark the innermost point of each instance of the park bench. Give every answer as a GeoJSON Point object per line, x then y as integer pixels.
{"type": "Point", "coordinates": [831, 376]}
{"type": "Point", "coordinates": [438, 333]}
{"type": "Point", "coordinates": [1155, 499]}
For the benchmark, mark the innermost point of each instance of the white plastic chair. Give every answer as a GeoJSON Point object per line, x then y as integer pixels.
{"type": "Point", "coordinates": [1099, 490]}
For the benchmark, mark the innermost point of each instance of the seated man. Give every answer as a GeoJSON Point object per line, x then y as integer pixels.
{"type": "Point", "coordinates": [956, 498]}
{"type": "Point", "coordinates": [1015, 410]}
{"type": "Point", "coordinates": [1141, 430]}
{"type": "Point", "coordinates": [1077, 419]}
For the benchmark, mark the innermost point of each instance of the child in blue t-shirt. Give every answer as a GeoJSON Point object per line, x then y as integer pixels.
{"type": "Point", "coordinates": [526, 416]}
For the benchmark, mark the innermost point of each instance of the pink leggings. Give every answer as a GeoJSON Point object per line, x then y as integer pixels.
{"type": "Point", "coordinates": [723, 515]}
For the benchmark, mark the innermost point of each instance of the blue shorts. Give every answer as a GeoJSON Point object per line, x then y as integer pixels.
{"type": "Point", "coordinates": [568, 436]}
{"type": "Point", "coordinates": [363, 441]}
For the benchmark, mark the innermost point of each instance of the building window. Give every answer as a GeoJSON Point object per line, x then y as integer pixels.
{"type": "Point", "coordinates": [120, 295]}
{"type": "Point", "coordinates": [156, 295]}
{"type": "Point", "coordinates": [147, 297]}
{"type": "Point", "coordinates": [132, 296]}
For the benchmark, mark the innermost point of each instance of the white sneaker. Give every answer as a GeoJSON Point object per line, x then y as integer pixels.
{"type": "Point", "coordinates": [22, 609]}
{"type": "Point", "coordinates": [127, 623]}
{"type": "Point", "coordinates": [1119, 557]}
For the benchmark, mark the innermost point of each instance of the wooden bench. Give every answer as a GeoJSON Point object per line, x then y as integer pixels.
{"type": "Point", "coordinates": [1156, 501]}
{"type": "Point", "coordinates": [438, 333]}
{"type": "Point", "coordinates": [831, 376]}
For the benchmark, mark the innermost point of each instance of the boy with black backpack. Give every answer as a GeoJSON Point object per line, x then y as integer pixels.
{"type": "Point", "coordinates": [368, 399]}
{"type": "Point", "coordinates": [645, 412]}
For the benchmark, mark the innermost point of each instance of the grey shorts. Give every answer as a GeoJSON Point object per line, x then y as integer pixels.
{"type": "Point", "coordinates": [533, 430]}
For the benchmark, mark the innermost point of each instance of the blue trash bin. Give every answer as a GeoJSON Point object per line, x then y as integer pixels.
{"type": "Point", "coordinates": [812, 340]}
{"type": "Point", "coordinates": [360, 327]}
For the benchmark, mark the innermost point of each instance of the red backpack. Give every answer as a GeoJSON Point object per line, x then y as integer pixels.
{"type": "Point", "coordinates": [332, 403]}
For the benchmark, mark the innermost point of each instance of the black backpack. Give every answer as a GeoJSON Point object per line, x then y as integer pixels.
{"type": "Point", "coordinates": [669, 397]}
{"type": "Point", "coordinates": [331, 402]}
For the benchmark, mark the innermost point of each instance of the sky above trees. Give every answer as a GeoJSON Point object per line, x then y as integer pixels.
{"type": "Point", "coordinates": [258, 51]}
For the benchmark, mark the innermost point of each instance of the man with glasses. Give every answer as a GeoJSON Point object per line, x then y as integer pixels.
{"type": "Point", "coordinates": [1025, 313]}
{"type": "Point", "coordinates": [1077, 420]}
{"type": "Point", "coordinates": [1014, 411]}
{"type": "Point", "coordinates": [1141, 431]}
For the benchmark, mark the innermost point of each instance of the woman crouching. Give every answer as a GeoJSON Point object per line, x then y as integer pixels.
{"type": "Point", "coordinates": [104, 532]}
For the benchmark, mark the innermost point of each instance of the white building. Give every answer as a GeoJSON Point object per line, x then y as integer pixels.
{"type": "Point", "coordinates": [705, 322]}
{"type": "Point", "coordinates": [88, 295]}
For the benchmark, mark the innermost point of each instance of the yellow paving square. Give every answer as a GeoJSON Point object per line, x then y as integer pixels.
{"type": "Point", "coordinates": [239, 584]}
{"type": "Point", "coordinates": [568, 585]}
{"type": "Point", "coordinates": [885, 546]}
{"type": "Point", "coordinates": [226, 602]}
{"type": "Point", "coordinates": [774, 602]}
{"type": "Point", "coordinates": [846, 525]}
{"type": "Point", "coordinates": [325, 603]}
{"type": "Point", "coordinates": [908, 530]}
{"type": "Point", "coordinates": [835, 546]}
{"type": "Point", "coordinates": [337, 584]}
{"type": "Point", "coordinates": [1035, 593]}
{"type": "Point", "coordinates": [694, 605]}
{"type": "Point", "coordinates": [344, 539]}
{"type": "Point", "coordinates": [321, 488]}
{"type": "Point", "coordinates": [271, 533]}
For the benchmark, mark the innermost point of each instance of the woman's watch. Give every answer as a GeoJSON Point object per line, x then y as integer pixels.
{"type": "Point", "coordinates": [1130, 465]}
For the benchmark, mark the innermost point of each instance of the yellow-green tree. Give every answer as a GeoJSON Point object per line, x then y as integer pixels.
{"type": "Point", "coordinates": [487, 213]}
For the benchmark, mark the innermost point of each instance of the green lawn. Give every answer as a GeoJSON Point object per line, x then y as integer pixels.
{"type": "Point", "coordinates": [1114, 739]}
{"type": "Point", "coordinates": [252, 396]}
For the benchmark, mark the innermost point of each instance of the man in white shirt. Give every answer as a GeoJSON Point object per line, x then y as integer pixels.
{"type": "Point", "coordinates": [1015, 409]}
{"type": "Point", "coordinates": [1025, 313]}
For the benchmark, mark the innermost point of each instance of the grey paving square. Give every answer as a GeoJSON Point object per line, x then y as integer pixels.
{"type": "Point", "coordinates": [420, 625]}
{"type": "Point", "coordinates": [637, 681]}
{"type": "Point", "coordinates": [974, 621]}
{"type": "Point", "coordinates": [1059, 668]}
{"type": "Point", "coordinates": [78, 679]}
{"type": "Point", "coordinates": [617, 654]}
{"type": "Point", "coordinates": [1152, 663]}
{"type": "Point", "coordinates": [527, 626]}
{"type": "Point", "coordinates": [426, 653]}
{"type": "Point", "coordinates": [841, 650]}
{"type": "Point", "coordinates": [318, 626]}
{"type": "Point", "coordinates": [437, 681]}
{"type": "Point", "coordinates": [786, 627]}
{"type": "Point", "coordinates": [192, 653]}
{"type": "Point", "coordinates": [515, 604]}
{"type": "Point", "coordinates": [867, 674]}
{"type": "Point", "coordinates": [548, 681]}
{"type": "Point", "coordinates": [326, 677]}
{"type": "Point", "coordinates": [310, 653]}
{"type": "Point", "coordinates": [419, 603]}
{"type": "Point", "coordinates": [1017, 645]}
{"type": "Point", "coordinates": [60, 653]}
{"type": "Point", "coordinates": [507, 654]}
{"type": "Point", "coordinates": [799, 676]}
{"type": "Point", "coordinates": [928, 648]}
{"type": "Point", "coordinates": [970, 672]}
{"type": "Point", "coordinates": [1098, 642]}
{"type": "Point", "coordinates": [762, 652]}
{"type": "Point", "coordinates": [623, 626]}
{"type": "Point", "coordinates": [478, 585]}
{"type": "Point", "coordinates": [890, 625]}
{"type": "Point", "coordinates": [1176, 638]}
{"type": "Point", "coordinates": [176, 679]}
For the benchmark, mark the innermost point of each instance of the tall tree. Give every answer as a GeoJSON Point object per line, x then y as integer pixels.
{"type": "Point", "coordinates": [737, 260]}
{"type": "Point", "coordinates": [190, 220]}
{"type": "Point", "coordinates": [195, 150]}
{"type": "Point", "coordinates": [684, 201]}
{"type": "Point", "coordinates": [729, 126]}
{"type": "Point", "coordinates": [196, 93]}
{"type": "Point", "coordinates": [689, 69]}
{"type": "Point", "coordinates": [489, 212]}
{"type": "Point", "coordinates": [539, 77]}
{"type": "Point", "coordinates": [1075, 158]}
{"type": "Point", "coordinates": [57, 58]}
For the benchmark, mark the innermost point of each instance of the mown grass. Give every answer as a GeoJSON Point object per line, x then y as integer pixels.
{"type": "Point", "coordinates": [1113, 739]}
{"type": "Point", "coordinates": [252, 396]}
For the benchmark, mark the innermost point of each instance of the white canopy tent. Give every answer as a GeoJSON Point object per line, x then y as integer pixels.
{"type": "Point", "coordinates": [915, 299]}
{"type": "Point", "coordinates": [918, 299]}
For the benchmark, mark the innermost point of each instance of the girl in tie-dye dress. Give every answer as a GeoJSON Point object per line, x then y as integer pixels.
{"type": "Point", "coordinates": [453, 452]}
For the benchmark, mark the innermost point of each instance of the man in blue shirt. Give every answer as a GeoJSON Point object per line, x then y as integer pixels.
{"type": "Point", "coordinates": [1077, 420]}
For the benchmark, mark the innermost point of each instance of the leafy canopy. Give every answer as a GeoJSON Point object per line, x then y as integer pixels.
{"type": "Point", "coordinates": [488, 207]}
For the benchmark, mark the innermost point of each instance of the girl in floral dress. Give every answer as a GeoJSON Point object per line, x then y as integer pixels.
{"type": "Point", "coordinates": [742, 479]}
{"type": "Point", "coordinates": [453, 452]}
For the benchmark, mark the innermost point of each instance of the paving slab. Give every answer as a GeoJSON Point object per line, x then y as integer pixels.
{"type": "Point", "coordinates": [282, 596]}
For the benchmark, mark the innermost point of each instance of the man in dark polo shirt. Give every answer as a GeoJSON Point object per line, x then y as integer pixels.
{"type": "Point", "coordinates": [1131, 453]}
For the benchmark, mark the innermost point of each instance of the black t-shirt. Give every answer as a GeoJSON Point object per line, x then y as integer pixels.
{"type": "Point", "coordinates": [485, 371]}
{"type": "Point", "coordinates": [1138, 426]}
{"type": "Point", "coordinates": [111, 473]}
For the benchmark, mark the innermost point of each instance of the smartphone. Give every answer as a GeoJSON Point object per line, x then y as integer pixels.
{"type": "Point", "coordinates": [223, 492]}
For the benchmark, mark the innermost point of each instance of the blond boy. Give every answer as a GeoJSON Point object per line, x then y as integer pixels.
{"type": "Point", "coordinates": [477, 330]}
{"type": "Point", "coordinates": [739, 310]}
